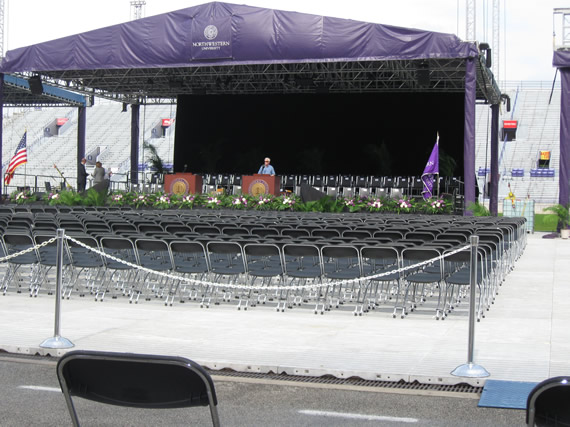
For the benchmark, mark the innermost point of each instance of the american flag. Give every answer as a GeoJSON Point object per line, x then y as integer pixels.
{"type": "Point", "coordinates": [20, 157]}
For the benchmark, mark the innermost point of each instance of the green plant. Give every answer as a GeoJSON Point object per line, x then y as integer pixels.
{"type": "Point", "coordinates": [478, 209]}
{"type": "Point", "coordinates": [94, 198]}
{"type": "Point", "coordinates": [213, 201]}
{"type": "Point", "coordinates": [67, 198]}
{"type": "Point", "coordinates": [288, 202]}
{"type": "Point", "coordinates": [162, 201]}
{"type": "Point", "coordinates": [139, 200]}
{"type": "Point", "coordinates": [263, 203]}
{"type": "Point", "coordinates": [355, 204]}
{"type": "Point", "coordinates": [154, 159]}
{"type": "Point", "coordinates": [240, 201]}
{"type": "Point", "coordinates": [324, 204]}
{"type": "Point", "coordinates": [563, 214]}
{"type": "Point", "coordinates": [405, 205]}
{"type": "Point", "coordinates": [117, 199]}
{"type": "Point", "coordinates": [189, 201]}
{"type": "Point", "coordinates": [436, 205]}
{"type": "Point", "coordinates": [22, 197]}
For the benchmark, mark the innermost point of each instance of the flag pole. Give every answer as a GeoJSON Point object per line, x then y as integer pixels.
{"type": "Point", "coordinates": [437, 184]}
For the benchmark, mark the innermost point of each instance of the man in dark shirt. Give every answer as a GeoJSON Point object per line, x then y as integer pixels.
{"type": "Point", "coordinates": [81, 176]}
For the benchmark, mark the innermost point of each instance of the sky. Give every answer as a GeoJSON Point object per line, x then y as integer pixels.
{"type": "Point", "coordinates": [526, 37]}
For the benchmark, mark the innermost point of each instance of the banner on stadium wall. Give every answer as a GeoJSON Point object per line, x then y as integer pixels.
{"type": "Point", "coordinates": [61, 121]}
{"type": "Point", "coordinates": [510, 124]}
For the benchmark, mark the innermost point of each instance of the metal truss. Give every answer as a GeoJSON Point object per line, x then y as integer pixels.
{"type": "Point", "coordinates": [19, 96]}
{"type": "Point", "coordinates": [163, 85]}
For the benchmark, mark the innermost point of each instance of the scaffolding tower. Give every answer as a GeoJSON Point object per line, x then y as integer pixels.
{"type": "Point", "coordinates": [561, 28]}
{"type": "Point", "coordinates": [137, 9]}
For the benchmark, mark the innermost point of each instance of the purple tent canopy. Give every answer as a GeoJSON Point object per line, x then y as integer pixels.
{"type": "Point", "coordinates": [227, 48]}
{"type": "Point", "coordinates": [562, 62]}
{"type": "Point", "coordinates": [228, 34]}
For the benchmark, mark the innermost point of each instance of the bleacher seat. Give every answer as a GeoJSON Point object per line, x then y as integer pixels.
{"type": "Point", "coordinates": [517, 173]}
{"type": "Point", "coordinates": [483, 171]}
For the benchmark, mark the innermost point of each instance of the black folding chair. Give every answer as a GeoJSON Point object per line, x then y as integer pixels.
{"type": "Point", "coordinates": [341, 263]}
{"type": "Point", "coordinates": [136, 381]}
{"type": "Point", "coordinates": [264, 262]}
{"type": "Point", "coordinates": [190, 260]}
{"type": "Point", "coordinates": [302, 263]}
{"type": "Point", "coordinates": [547, 403]}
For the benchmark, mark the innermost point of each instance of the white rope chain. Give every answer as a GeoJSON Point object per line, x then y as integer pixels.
{"type": "Point", "coordinates": [25, 251]}
{"type": "Point", "coordinates": [276, 287]}
{"type": "Point", "coordinates": [235, 285]}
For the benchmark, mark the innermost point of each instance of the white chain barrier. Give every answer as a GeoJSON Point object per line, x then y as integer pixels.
{"type": "Point", "coordinates": [275, 287]}
{"type": "Point", "coordinates": [235, 285]}
{"type": "Point", "coordinates": [28, 250]}
{"type": "Point", "coordinates": [467, 370]}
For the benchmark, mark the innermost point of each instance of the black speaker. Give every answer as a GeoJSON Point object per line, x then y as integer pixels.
{"type": "Point", "coordinates": [36, 86]}
{"type": "Point", "coordinates": [488, 59]}
{"type": "Point", "coordinates": [422, 77]}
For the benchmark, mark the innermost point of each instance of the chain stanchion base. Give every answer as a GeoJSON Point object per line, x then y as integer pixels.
{"type": "Point", "coordinates": [57, 342]}
{"type": "Point", "coordinates": [470, 370]}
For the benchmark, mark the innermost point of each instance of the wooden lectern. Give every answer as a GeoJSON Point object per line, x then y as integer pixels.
{"type": "Point", "coordinates": [183, 183]}
{"type": "Point", "coordinates": [257, 184]}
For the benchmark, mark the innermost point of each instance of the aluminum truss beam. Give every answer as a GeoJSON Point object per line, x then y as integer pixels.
{"type": "Point", "coordinates": [162, 85]}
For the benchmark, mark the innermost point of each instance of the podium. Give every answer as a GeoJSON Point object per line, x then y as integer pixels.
{"type": "Point", "coordinates": [183, 183]}
{"type": "Point", "coordinates": [256, 185]}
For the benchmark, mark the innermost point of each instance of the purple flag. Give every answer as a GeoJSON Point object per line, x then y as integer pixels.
{"type": "Point", "coordinates": [431, 169]}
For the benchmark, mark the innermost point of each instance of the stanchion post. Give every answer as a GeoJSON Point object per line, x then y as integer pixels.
{"type": "Point", "coordinates": [470, 369]}
{"type": "Point", "coordinates": [57, 341]}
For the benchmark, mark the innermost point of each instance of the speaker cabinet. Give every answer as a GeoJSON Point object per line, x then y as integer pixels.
{"type": "Point", "coordinates": [36, 86]}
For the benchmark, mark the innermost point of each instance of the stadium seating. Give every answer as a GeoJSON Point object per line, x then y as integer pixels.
{"type": "Point", "coordinates": [538, 119]}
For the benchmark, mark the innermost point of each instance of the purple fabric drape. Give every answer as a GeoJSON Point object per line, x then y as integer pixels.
{"type": "Point", "coordinates": [135, 115]}
{"type": "Point", "coordinates": [564, 174]}
{"type": "Point", "coordinates": [469, 133]}
{"type": "Point", "coordinates": [494, 196]}
{"type": "Point", "coordinates": [81, 131]}
{"type": "Point", "coordinates": [1, 126]}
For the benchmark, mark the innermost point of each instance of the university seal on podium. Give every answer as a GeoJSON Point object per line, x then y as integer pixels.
{"type": "Point", "coordinates": [180, 186]}
{"type": "Point", "coordinates": [258, 187]}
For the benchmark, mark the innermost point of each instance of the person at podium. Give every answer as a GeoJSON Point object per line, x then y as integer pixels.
{"type": "Point", "coordinates": [266, 168]}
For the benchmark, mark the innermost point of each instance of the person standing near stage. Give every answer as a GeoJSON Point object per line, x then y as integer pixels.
{"type": "Point", "coordinates": [266, 168]}
{"type": "Point", "coordinates": [81, 176]}
{"type": "Point", "coordinates": [98, 173]}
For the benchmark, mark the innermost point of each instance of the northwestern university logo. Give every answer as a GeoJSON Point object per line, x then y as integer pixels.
{"type": "Point", "coordinates": [211, 44]}
{"type": "Point", "coordinates": [211, 32]}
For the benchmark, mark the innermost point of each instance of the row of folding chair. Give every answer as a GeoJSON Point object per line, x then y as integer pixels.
{"type": "Point", "coordinates": [507, 240]}
{"type": "Point", "coordinates": [262, 263]}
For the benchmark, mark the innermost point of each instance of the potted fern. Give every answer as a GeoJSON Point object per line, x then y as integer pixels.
{"type": "Point", "coordinates": [563, 215]}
